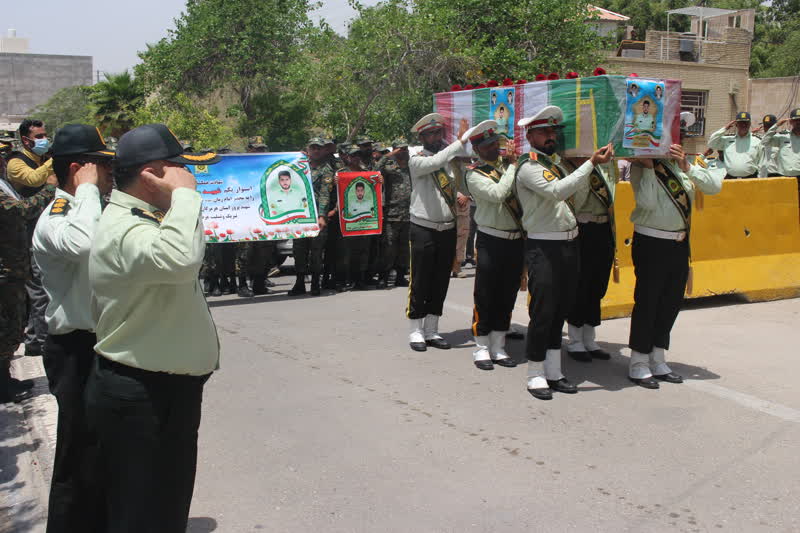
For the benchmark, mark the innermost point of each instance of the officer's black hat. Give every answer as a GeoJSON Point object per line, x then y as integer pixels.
{"type": "Point", "coordinates": [80, 139]}
{"type": "Point", "coordinates": [769, 120]}
{"type": "Point", "coordinates": [795, 114]}
{"type": "Point", "coordinates": [154, 142]}
{"type": "Point", "coordinates": [743, 116]}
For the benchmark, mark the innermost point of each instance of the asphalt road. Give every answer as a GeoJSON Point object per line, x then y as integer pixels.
{"type": "Point", "coordinates": [322, 419]}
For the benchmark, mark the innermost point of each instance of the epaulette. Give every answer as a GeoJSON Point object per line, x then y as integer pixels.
{"type": "Point", "coordinates": [156, 217]}
{"type": "Point", "coordinates": [60, 207]}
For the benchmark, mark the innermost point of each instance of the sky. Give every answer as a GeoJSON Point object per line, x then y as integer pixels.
{"type": "Point", "coordinates": [113, 32]}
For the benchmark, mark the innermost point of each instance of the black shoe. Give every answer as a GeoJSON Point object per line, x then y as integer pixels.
{"type": "Point", "coordinates": [383, 281]}
{"type": "Point", "coordinates": [245, 291]}
{"type": "Point", "coordinates": [216, 291]}
{"type": "Point", "coordinates": [363, 286]}
{"type": "Point", "coordinates": [506, 362]}
{"type": "Point", "coordinates": [328, 284]}
{"type": "Point", "coordinates": [17, 387]}
{"type": "Point", "coordinates": [583, 357]}
{"type": "Point", "coordinates": [515, 335]}
{"type": "Point", "coordinates": [541, 394]}
{"type": "Point", "coordinates": [298, 290]}
{"type": "Point", "coordinates": [600, 354]}
{"type": "Point", "coordinates": [418, 346]}
{"type": "Point", "coordinates": [438, 343]}
{"type": "Point", "coordinates": [647, 383]}
{"type": "Point", "coordinates": [260, 285]}
{"type": "Point", "coordinates": [400, 281]}
{"type": "Point", "coordinates": [562, 385]}
{"type": "Point", "coordinates": [485, 364]}
{"type": "Point", "coordinates": [672, 377]}
{"type": "Point", "coordinates": [206, 286]}
{"type": "Point", "coordinates": [344, 287]}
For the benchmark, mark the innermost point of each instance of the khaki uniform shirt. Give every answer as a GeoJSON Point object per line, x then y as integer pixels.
{"type": "Point", "coordinates": [149, 305]}
{"type": "Point", "coordinates": [654, 208]}
{"type": "Point", "coordinates": [544, 197]}
{"type": "Point", "coordinates": [21, 175]}
{"type": "Point", "coordinates": [427, 202]}
{"type": "Point", "coordinates": [62, 241]}
{"type": "Point", "coordinates": [742, 154]}
{"type": "Point", "coordinates": [489, 197]}
{"type": "Point", "coordinates": [786, 146]}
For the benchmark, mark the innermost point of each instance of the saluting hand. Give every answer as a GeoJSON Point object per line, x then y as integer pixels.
{"type": "Point", "coordinates": [174, 178]}
{"type": "Point", "coordinates": [603, 155]}
{"type": "Point", "coordinates": [730, 124]}
{"type": "Point", "coordinates": [463, 126]}
{"type": "Point", "coordinates": [87, 174]}
{"type": "Point", "coordinates": [511, 152]}
{"type": "Point", "coordinates": [782, 121]}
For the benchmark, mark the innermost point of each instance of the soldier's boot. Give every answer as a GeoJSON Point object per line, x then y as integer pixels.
{"type": "Point", "coordinates": [364, 282]}
{"type": "Point", "coordinates": [315, 286]}
{"type": "Point", "coordinates": [328, 281]}
{"type": "Point", "coordinates": [216, 288]}
{"type": "Point", "coordinates": [231, 285]}
{"type": "Point", "coordinates": [244, 291]}
{"type": "Point", "coordinates": [260, 284]}
{"type": "Point", "coordinates": [299, 288]}
{"type": "Point", "coordinates": [207, 285]}
{"type": "Point", "coordinates": [383, 280]}
{"type": "Point", "coordinates": [11, 390]}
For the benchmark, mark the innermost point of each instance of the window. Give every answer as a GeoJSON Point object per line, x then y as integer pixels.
{"type": "Point", "coordinates": [695, 102]}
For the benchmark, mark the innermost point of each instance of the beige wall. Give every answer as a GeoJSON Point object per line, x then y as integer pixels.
{"type": "Point", "coordinates": [775, 96]}
{"type": "Point", "coordinates": [718, 80]}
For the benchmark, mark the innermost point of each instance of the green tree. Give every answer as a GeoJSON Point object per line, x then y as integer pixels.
{"type": "Point", "coordinates": [243, 45]}
{"type": "Point", "coordinates": [189, 121]}
{"type": "Point", "coordinates": [114, 102]}
{"type": "Point", "coordinates": [67, 106]}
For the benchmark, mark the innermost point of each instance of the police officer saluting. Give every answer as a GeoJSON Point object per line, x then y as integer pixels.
{"type": "Point", "coordinates": [433, 229]}
{"type": "Point", "coordinates": [156, 340]}
{"type": "Point", "coordinates": [786, 145]}
{"type": "Point", "coordinates": [741, 151]}
{"type": "Point", "coordinates": [500, 243]}
{"type": "Point", "coordinates": [61, 244]}
{"type": "Point", "coordinates": [551, 250]}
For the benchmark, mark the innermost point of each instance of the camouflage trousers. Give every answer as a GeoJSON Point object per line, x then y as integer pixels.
{"type": "Point", "coordinates": [253, 258]}
{"type": "Point", "coordinates": [13, 316]}
{"type": "Point", "coordinates": [241, 258]}
{"type": "Point", "coordinates": [308, 253]}
{"type": "Point", "coordinates": [395, 248]}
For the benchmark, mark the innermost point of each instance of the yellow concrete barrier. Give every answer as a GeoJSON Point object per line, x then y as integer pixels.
{"type": "Point", "coordinates": [745, 241]}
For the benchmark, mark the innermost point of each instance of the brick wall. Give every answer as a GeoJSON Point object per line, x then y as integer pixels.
{"type": "Point", "coordinates": [773, 96]}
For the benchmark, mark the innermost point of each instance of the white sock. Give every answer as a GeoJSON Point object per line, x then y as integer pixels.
{"type": "Point", "coordinates": [658, 362]}
{"type": "Point", "coordinates": [536, 375]}
{"type": "Point", "coordinates": [575, 339]}
{"type": "Point", "coordinates": [552, 365]}
{"type": "Point", "coordinates": [639, 367]}
{"type": "Point", "coordinates": [588, 338]}
{"type": "Point", "coordinates": [481, 352]}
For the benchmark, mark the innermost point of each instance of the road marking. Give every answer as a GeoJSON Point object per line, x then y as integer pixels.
{"type": "Point", "coordinates": [745, 400]}
{"type": "Point", "coordinates": [751, 402]}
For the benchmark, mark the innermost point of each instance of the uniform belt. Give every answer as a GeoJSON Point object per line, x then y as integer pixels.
{"type": "Point", "coordinates": [509, 235]}
{"type": "Point", "coordinates": [555, 235]}
{"type": "Point", "coordinates": [585, 218]}
{"type": "Point", "coordinates": [438, 226]}
{"type": "Point", "coordinates": [660, 234]}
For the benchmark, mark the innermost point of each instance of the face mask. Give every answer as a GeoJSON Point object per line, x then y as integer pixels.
{"type": "Point", "coordinates": [41, 146]}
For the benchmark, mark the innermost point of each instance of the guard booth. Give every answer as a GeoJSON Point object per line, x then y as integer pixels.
{"type": "Point", "coordinates": [746, 241]}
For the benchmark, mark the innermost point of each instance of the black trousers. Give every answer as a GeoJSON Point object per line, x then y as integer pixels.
{"type": "Point", "coordinates": [432, 254]}
{"type": "Point", "coordinates": [147, 425]}
{"type": "Point", "coordinates": [352, 260]}
{"type": "Point", "coordinates": [76, 496]}
{"type": "Point", "coordinates": [395, 247]}
{"type": "Point", "coordinates": [553, 270]}
{"type": "Point", "coordinates": [308, 253]}
{"type": "Point", "coordinates": [662, 269]}
{"type": "Point", "coordinates": [333, 244]}
{"type": "Point", "coordinates": [473, 228]}
{"type": "Point", "coordinates": [597, 258]}
{"type": "Point", "coordinates": [497, 279]}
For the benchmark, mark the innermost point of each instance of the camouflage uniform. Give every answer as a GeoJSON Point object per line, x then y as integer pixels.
{"type": "Point", "coordinates": [219, 267]}
{"type": "Point", "coordinates": [15, 270]}
{"type": "Point", "coordinates": [308, 252]}
{"type": "Point", "coordinates": [397, 197]}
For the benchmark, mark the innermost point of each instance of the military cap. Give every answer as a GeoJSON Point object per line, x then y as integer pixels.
{"type": "Point", "coordinates": [350, 149]}
{"type": "Point", "coordinates": [743, 116]}
{"type": "Point", "coordinates": [317, 141]}
{"type": "Point", "coordinates": [153, 142]}
{"type": "Point", "coordinates": [795, 114]}
{"type": "Point", "coordinates": [379, 147]}
{"type": "Point", "coordinates": [769, 120]}
{"type": "Point", "coordinates": [363, 139]}
{"type": "Point", "coordinates": [328, 140]}
{"type": "Point", "coordinates": [482, 133]}
{"type": "Point", "coordinates": [429, 122]}
{"type": "Point", "coordinates": [549, 117]}
{"type": "Point", "coordinates": [80, 139]}
{"type": "Point", "coordinates": [400, 142]}
{"type": "Point", "coordinates": [687, 119]}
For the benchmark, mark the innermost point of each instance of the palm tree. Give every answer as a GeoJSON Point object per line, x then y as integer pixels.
{"type": "Point", "coordinates": [114, 102]}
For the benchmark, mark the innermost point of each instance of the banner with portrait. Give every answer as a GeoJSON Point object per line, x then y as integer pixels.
{"type": "Point", "coordinates": [597, 110]}
{"type": "Point", "coordinates": [360, 196]}
{"type": "Point", "coordinates": [256, 197]}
